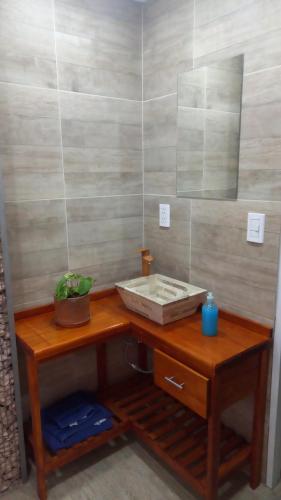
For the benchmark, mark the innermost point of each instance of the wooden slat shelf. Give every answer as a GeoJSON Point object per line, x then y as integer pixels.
{"type": "Point", "coordinates": [175, 433]}
{"type": "Point", "coordinates": [67, 455]}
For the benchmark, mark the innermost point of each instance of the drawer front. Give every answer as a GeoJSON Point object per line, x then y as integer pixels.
{"type": "Point", "coordinates": [181, 382]}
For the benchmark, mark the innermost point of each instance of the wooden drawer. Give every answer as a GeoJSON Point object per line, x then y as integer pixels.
{"type": "Point", "coordinates": [181, 382]}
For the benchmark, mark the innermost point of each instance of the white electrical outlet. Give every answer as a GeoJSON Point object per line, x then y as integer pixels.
{"type": "Point", "coordinates": [164, 215]}
{"type": "Point", "coordinates": [255, 229]}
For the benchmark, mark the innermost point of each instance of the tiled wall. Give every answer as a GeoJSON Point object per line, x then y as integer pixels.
{"type": "Point", "coordinates": [70, 140]}
{"type": "Point", "coordinates": [71, 145]}
{"type": "Point", "coordinates": [207, 240]}
{"type": "Point", "coordinates": [71, 153]}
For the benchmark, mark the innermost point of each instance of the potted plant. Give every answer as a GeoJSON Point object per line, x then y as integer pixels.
{"type": "Point", "coordinates": [72, 300]}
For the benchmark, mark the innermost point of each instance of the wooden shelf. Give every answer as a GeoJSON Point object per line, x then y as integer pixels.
{"type": "Point", "coordinates": [67, 455]}
{"type": "Point", "coordinates": [176, 434]}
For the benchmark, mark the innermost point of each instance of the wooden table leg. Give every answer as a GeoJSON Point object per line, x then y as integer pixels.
{"type": "Point", "coordinates": [101, 352]}
{"type": "Point", "coordinates": [213, 454]}
{"type": "Point", "coordinates": [142, 355]}
{"type": "Point", "coordinates": [259, 418]}
{"type": "Point", "coordinates": [35, 408]}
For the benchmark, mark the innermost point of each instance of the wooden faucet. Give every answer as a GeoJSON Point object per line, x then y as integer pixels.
{"type": "Point", "coordinates": [147, 259]}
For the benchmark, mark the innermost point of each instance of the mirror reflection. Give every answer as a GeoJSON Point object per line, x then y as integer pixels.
{"type": "Point", "coordinates": [208, 130]}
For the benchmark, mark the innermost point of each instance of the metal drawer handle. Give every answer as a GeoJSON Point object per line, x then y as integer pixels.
{"type": "Point", "coordinates": [171, 380]}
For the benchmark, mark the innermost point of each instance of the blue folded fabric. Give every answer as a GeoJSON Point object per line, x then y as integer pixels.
{"type": "Point", "coordinates": [93, 420]}
{"type": "Point", "coordinates": [72, 410]}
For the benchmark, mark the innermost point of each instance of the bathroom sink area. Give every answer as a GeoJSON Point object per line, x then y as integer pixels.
{"type": "Point", "coordinates": [160, 298]}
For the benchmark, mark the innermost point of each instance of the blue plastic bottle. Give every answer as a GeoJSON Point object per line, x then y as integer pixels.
{"type": "Point", "coordinates": [210, 314]}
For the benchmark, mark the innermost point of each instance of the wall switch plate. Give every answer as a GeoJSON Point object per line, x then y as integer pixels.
{"type": "Point", "coordinates": [255, 229]}
{"type": "Point", "coordinates": [164, 215]}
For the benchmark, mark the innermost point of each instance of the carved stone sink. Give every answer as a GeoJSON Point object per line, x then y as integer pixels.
{"type": "Point", "coordinates": [160, 298]}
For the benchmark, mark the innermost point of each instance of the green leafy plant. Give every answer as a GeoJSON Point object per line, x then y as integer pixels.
{"type": "Point", "coordinates": [73, 285]}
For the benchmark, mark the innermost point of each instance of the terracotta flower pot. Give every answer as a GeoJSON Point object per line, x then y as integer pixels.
{"type": "Point", "coordinates": [73, 312]}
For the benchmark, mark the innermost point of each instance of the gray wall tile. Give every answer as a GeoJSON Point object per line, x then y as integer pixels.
{"type": "Point", "coordinates": [33, 12]}
{"type": "Point", "coordinates": [103, 234]}
{"type": "Point", "coordinates": [37, 243]}
{"type": "Point", "coordinates": [29, 116]}
{"type": "Point", "coordinates": [102, 145]}
{"type": "Point", "coordinates": [32, 172]}
{"type": "Point", "coordinates": [168, 246]}
{"type": "Point", "coordinates": [159, 141]}
{"type": "Point", "coordinates": [30, 139]}
{"type": "Point", "coordinates": [99, 50]}
{"type": "Point", "coordinates": [260, 136]}
{"type": "Point", "coordinates": [27, 43]}
{"type": "Point", "coordinates": [207, 11]}
{"type": "Point", "coordinates": [226, 30]}
{"type": "Point", "coordinates": [94, 209]}
{"type": "Point", "coordinates": [89, 121]}
{"type": "Point", "coordinates": [167, 50]}
{"type": "Point", "coordinates": [243, 275]}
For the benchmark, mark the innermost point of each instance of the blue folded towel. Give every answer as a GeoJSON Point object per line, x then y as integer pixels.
{"type": "Point", "coordinates": [88, 419]}
{"type": "Point", "coordinates": [72, 410]}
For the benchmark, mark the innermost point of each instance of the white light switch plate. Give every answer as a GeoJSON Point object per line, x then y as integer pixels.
{"type": "Point", "coordinates": [255, 229]}
{"type": "Point", "coordinates": [164, 215]}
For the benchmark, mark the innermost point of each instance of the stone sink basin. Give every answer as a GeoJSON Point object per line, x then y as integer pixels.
{"type": "Point", "coordinates": [160, 298]}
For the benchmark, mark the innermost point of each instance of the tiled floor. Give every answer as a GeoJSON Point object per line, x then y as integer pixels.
{"type": "Point", "coordinates": [128, 472]}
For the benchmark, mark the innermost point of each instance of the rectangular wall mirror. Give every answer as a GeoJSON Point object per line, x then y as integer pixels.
{"type": "Point", "coordinates": [208, 130]}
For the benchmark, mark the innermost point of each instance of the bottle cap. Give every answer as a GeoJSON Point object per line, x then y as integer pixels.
{"type": "Point", "coordinates": [210, 296]}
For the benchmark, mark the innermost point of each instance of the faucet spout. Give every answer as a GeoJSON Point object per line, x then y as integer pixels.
{"type": "Point", "coordinates": [147, 260]}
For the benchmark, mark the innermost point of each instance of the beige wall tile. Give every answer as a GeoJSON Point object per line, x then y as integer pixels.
{"type": "Point", "coordinates": [227, 30]}
{"type": "Point", "coordinates": [159, 139]}
{"type": "Point", "coordinates": [168, 246]}
{"type": "Point", "coordinates": [167, 50]}
{"type": "Point", "coordinates": [106, 274]}
{"type": "Point", "coordinates": [98, 122]}
{"type": "Point", "coordinates": [171, 259]}
{"type": "Point", "coordinates": [260, 136]}
{"type": "Point", "coordinates": [27, 43]}
{"type": "Point", "coordinates": [29, 116]}
{"type": "Point", "coordinates": [103, 235]}
{"type": "Point", "coordinates": [92, 209]}
{"type": "Point", "coordinates": [180, 207]}
{"type": "Point", "coordinates": [247, 285]}
{"type": "Point", "coordinates": [243, 275]}
{"type": "Point", "coordinates": [160, 182]}
{"type": "Point", "coordinates": [207, 11]}
{"type": "Point", "coordinates": [102, 145]}
{"type": "Point", "coordinates": [234, 213]}
{"type": "Point", "coordinates": [37, 244]}
{"type": "Point", "coordinates": [101, 171]}
{"type": "Point", "coordinates": [32, 172]}
{"type": "Point", "coordinates": [34, 12]}
{"type": "Point", "coordinates": [103, 253]}
{"type": "Point", "coordinates": [260, 52]}
{"type": "Point", "coordinates": [99, 48]}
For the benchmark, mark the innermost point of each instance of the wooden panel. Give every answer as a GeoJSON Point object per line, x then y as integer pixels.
{"type": "Point", "coordinates": [181, 382]}
{"type": "Point", "coordinates": [239, 379]}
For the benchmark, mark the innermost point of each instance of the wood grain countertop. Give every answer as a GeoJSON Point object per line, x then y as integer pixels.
{"type": "Point", "coordinates": [43, 339]}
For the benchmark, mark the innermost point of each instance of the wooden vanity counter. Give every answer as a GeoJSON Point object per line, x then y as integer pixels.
{"type": "Point", "coordinates": [194, 374]}
{"type": "Point", "coordinates": [182, 339]}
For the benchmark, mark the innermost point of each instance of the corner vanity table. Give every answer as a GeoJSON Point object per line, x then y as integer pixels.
{"type": "Point", "coordinates": [177, 412]}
